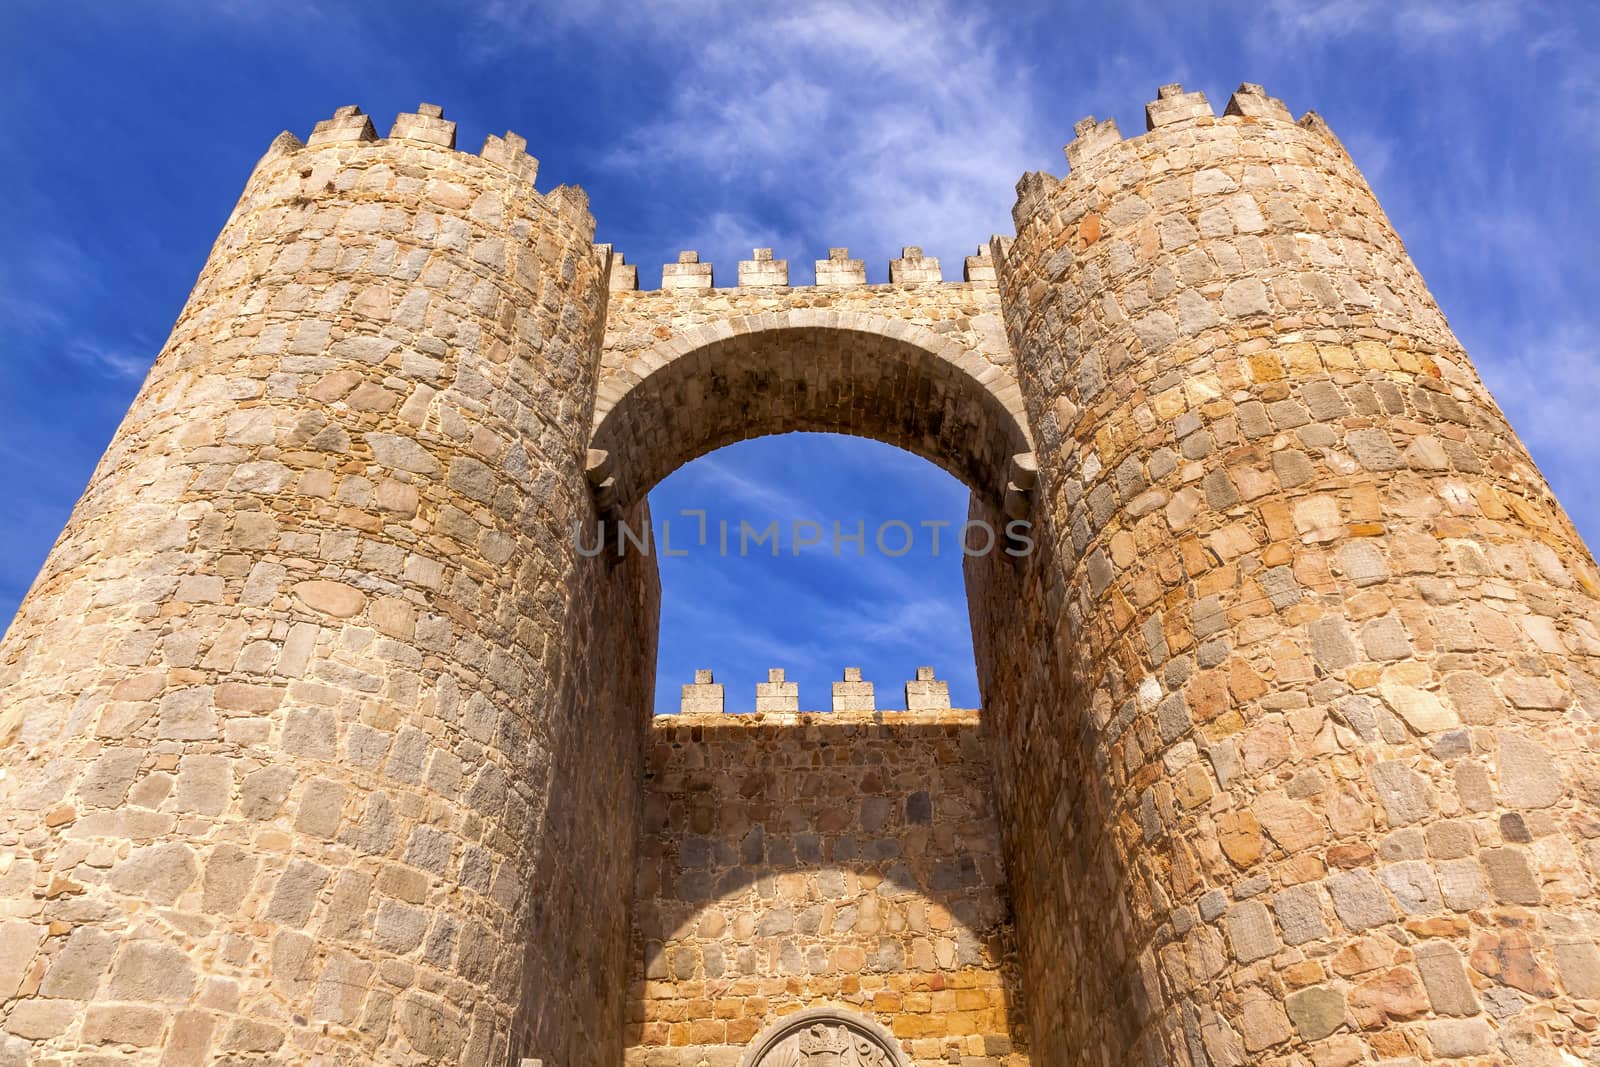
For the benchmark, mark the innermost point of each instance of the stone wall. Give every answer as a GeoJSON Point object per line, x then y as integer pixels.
{"type": "Point", "coordinates": [965, 312]}
{"type": "Point", "coordinates": [919, 363]}
{"type": "Point", "coordinates": [313, 698]}
{"type": "Point", "coordinates": [795, 859]}
{"type": "Point", "coordinates": [1302, 692]}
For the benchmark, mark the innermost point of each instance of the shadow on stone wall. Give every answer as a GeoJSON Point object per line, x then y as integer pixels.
{"type": "Point", "coordinates": [1072, 892]}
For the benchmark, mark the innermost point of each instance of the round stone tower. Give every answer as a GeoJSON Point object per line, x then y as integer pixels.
{"type": "Point", "coordinates": [1311, 688]}
{"type": "Point", "coordinates": [279, 709]}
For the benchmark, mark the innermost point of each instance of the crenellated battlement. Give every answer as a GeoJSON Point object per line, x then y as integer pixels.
{"type": "Point", "coordinates": [689, 274]}
{"type": "Point", "coordinates": [763, 270]}
{"type": "Point", "coordinates": [1172, 109]}
{"type": "Point", "coordinates": [428, 124]}
{"type": "Point", "coordinates": [840, 270]}
{"type": "Point", "coordinates": [837, 271]}
{"type": "Point", "coordinates": [1243, 177]}
{"type": "Point", "coordinates": [349, 125]}
{"type": "Point", "coordinates": [778, 695]}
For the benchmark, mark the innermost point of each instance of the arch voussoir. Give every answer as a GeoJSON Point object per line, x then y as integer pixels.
{"type": "Point", "coordinates": [775, 371]}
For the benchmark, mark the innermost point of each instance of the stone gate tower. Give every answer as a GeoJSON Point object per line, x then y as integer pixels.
{"type": "Point", "coordinates": [323, 743]}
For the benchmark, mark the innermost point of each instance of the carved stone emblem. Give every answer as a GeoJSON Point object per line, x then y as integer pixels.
{"type": "Point", "coordinates": [824, 1037]}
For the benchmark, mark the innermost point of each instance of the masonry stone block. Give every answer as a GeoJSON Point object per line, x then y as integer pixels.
{"type": "Point", "coordinates": [130, 1024]}
{"type": "Point", "coordinates": [37, 1019]}
{"type": "Point", "coordinates": [1250, 931]}
{"type": "Point", "coordinates": [1511, 876]}
{"type": "Point", "coordinates": [1316, 1012]}
{"type": "Point", "coordinates": [1445, 977]}
{"type": "Point", "coordinates": [1359, 900]}
{"type": "Point", "coordinates": [1299, 912]}
{"type": "Point", "coordinates": [927, 693]}
{"type": "Point", "coordinates": [1528, 776]}
{"type": "Point", "coordinates": [775, 694]}
{"type": "Point", "coordinates": [152, 971]}
{"type": "Point", "coordinates": [77, 970]}
{"type": "Point", "coordinates": [853, 694]}
{"type": "Point", "coordinates": [19, 940]}
{"type": "Point", "coordinates": [1451, 1038]}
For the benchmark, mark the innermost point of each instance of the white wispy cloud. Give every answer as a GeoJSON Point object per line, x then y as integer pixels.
{"type": "Point", "coordinates": [740, 232]}
{"type": "Point", "coordinates": [42, 279]}
{"type": "Point", "coordinates": [885, 124]}
{"type": "Point", "coordinates": [1414, 21]}
{"type": "Point", "coordinates": [36, 275]}
{"type": "Point", "coordinates": [107, 359]}
{"type": "Point", "coordinates": [732, 491]}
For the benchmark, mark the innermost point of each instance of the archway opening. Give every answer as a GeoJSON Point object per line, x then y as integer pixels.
{"type": "Point", "coordinates": [812, 553]}
{"type": "Point", "coordinates": [791, 859]}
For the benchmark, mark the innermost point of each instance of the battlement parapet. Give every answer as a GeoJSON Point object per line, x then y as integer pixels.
{"type": "Point", "coordinates": [569, 201]}
{"type": "Point", "coordinates": [775, 694]}
{"type": "Point", "coordinates": [1313, 122]}
{"type": "Point", "coordinates": [979, 267]}
{"type": "Point", "coordinates": [927, 693]}
{"type": "Point", "coordinates": [511, 152]}
{"type": "Point", "coordinates": [687, 273]}
{"type": "Point", "coordinates": [763, 270]}
{"type": "Point", "coordinates": [913, 266]}
{"type": "Point", "coordinates": [427, 124]}
{"type": "Point", "coordinates": [1251, 101]}
{"type": "Point", "coordinates": [285, 144]}
{"type": "Point", "coordinates": [349, 125]}
{"type": "Point", "coordinates": [624, 275]}
{"type": "Point", "coordinates": [1173, 105]}
{"type": "Point", "coordinates": [668, 727]}
{"type": "Point", "coordinates": [1100, 145]}
{"type": "Point", "coordinates": [1089, 138]}
{"type": "Point", "coordinates": [853, 694]}
{"type": "Point", "coordinates": [778, 695]}
{"type": "Point", "coordinates": [704, 696]}
{"type": "Point", "coordinates": [840, 269]}
{"type": "Point", "coordinates": [1033, 188]}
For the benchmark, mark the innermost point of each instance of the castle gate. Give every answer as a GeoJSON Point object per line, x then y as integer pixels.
{"type": "Point", "coordinates": [782, 862]}
{"type": "Point", "coordinates": [315, 714]}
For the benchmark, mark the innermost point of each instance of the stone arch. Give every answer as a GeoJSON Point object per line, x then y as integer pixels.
{"type": "Point", "coordinates": [807, 369]}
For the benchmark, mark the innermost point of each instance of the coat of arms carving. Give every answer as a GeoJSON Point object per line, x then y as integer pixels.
{"type": "Point", "coordinates": [824, 1038]}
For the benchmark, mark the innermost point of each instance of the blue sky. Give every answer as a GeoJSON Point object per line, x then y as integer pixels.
{"type": "Point", "coordinates": [724, 126]}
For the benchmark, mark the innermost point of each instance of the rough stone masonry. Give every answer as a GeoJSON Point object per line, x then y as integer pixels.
{"type": "Point", "coordinates": [323, 743]}
{"type": "Point", "coordinates": [790, 859]}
